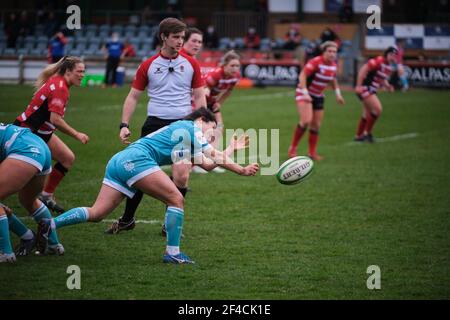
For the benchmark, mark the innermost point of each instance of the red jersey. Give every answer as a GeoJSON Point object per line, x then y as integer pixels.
{"type": "Point", "coordinates": [318, 74]}
{"type": "Point", "coordinates": [379, 71]}
{"type": "Point", "coordinates": [51, 97]}
{"type": "Point", "coordinates": [218, 84]}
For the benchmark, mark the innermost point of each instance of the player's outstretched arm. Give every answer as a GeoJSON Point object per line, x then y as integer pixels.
{"type": "Point", "coordinates": [127, 112]}
{"type": "Point", "coordinates": [236, 143]}
{"type": "Point", "coordinates": [221, 159]}
{"type": "Point", "coordinates": [58, 121]}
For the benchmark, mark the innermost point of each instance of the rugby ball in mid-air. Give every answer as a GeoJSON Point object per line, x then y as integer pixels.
{"type": "Point", "coordinates": [295, 170]}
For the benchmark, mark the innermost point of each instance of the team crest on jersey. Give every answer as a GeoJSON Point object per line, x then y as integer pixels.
{"type": "Point", "coordinates": [35, 151]}
{"type": "Point", "coordinates": [182, 68]}
{"type": "Point", "coordinates": [129, 166]}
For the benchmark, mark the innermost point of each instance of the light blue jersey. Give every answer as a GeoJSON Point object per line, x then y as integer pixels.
{"type": "Point", "coordinates": [179, 141]}
{"type": "Point", "coordinates": [21, 144]}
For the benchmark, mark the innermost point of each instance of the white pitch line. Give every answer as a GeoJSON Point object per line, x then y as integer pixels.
{"type": "Point", "coordinates": [112, 220]}
{"type": "Point", "coordinates": [405, 136]}
{"type": "Point", "coordinates": [264, 96]}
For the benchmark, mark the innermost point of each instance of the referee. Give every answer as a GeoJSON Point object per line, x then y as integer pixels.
{"type": "Point", "coordinates": [170, 78]}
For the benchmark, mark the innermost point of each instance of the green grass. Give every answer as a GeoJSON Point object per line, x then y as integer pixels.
{"type": "Point", "coordinates": [385, 204]}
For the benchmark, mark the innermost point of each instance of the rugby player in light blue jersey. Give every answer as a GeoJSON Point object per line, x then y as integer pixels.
{"type": "Point", "coordinates": [138, 168]}
{"type": "Point", "coordinates": [25, 161]}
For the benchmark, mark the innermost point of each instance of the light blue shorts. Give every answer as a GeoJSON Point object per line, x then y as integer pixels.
{"type": "Point", "coordinates": [29, 148]}
{"type": "Point", "coordinates": [126, 168]}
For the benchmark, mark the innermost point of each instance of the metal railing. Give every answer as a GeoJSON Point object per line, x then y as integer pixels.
{"type": "Point", "coordinates": [236, 24]}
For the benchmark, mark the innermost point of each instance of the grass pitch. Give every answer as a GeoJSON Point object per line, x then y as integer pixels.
{"type": "Point", "coordinates": [385, 204]}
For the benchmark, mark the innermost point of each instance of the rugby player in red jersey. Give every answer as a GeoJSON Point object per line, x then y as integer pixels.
{"type": "Point", "coordinates": [193, 42]}
{"type": "Point", "coordinates": [313, 80]}
{"type": "Point", "coordinates": [373, 75]}
{"type": "Point", "coordinates": [219, 85]}
{"type": "Point", "coordinates": [45, 114]}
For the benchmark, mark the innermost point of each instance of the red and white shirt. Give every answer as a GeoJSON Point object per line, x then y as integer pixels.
{"type": "Point", "coordinates": [51, 97]}
{"type": "Point", "coordinates": [318, 74]}
{"type": "Point", "coordinates": [379, 71]}
{"type": "Point", "coordinates": [218, 84]}
{"type": "Point", "coordinates": [169, 83]}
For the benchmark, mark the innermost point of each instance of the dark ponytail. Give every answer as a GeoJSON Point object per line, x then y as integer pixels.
{"type": "Point", "coordinates": [205, 114]}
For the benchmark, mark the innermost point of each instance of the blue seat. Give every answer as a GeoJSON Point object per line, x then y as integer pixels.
{"type": "Point", "coordinates": [224, 43]}
{"type": "Point", "coordinates": [42, 45]}
{"type": "Point", "coordinates": [130, 28]}
{"type": "Point", "coordinates": [144, 28]}
{"type": "Point", "coordinates": [239, 43]}
{"type": "Point", "coordinates": [94, 46]}
{"type": "Point", "coordinates": [103, 34]}
{"type": "Point", "coordinates": [9, 52]}
{"type": "Point", "coordinates": [90, 34]}
{"type": "Point", "coordinates": [95, 41]}
{"type": "Point", "coordinates": [104, 28]}
{"type": "Point", "coordinates": [142, 34]}
{"type": "Point", "coordinates": [117, 28]}
{"type": "Point", "coordinates": [81, 46]}
{"type": "Point", "coordinates": [91, 28]}
{"type": "Point", "coordinates": [266, 44]}
{"type": "Point", "coordinates": [36, 52]}
{"type": "Point", "coordinates": [75, 52]}
{"type": "Point", "coordinates": [29, 45]}
{"type": "Point", "coordinates": [68, 46]}
{"type": "Point", "coordinates": [22, 51]}
{"type": "Point", "coordinates": [42, 39]}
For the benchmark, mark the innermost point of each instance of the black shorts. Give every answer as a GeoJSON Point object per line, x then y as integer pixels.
{"type": "Point", "coordinates": [317, 102]}
{"type": "Point", "coordinates": [152, 124]}
{"type": "Point", "coordinates": [45, 137]}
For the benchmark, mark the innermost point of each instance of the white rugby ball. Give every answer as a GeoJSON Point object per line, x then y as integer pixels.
{"type": "Point", "coordinates": [295, 170]}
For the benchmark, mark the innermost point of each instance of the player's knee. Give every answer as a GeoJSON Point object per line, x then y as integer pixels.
{"type": "Point", "coordinates": [95, 215]}
{"type": "Point", "coordinates": [68, 160]}
{"type": "Point", "coordinates": [376, 113]}
{"type": "Point", "coordinates": [176, 199]}
{"type": "Point", "coordinates": [305, 122]}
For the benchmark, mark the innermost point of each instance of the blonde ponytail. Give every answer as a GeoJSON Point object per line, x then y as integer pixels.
{"type": "Point", "coordinates": [227, 57]}
{"type": "Point", "coordinates": [60, 67]}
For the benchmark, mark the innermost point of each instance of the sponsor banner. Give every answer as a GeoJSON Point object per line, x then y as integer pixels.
{"type": "Point", "coordinates": [409, 30]}
{"type": "Point", "coordinates": [428, 75]}
{"type": "Point", "coordinates": [437, 43]}
{"type": "Point", "coordinates": [271, 73]}
{"type": "Point", "coordinates": [379, 43]}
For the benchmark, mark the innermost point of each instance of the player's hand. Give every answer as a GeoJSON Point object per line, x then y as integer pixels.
{"type": "Point", "coordinates": [82, 137]}
{"type": "Point", "coordinates": [251, 169]}
{"type": "Point", "coordinates": [239, 143]}
{"type": "Point", "coordinates": [390, 88]}
{"type": "Point", "coordinates": [8, 210]}
{"type": "Point", "coordinates": [359, 89]}
{"type": "Point", "coordinates": [340, 99]}
{"type": "Point", "coordinates": [307, 98]}
{"type": "Point", "coordinates": [124, 135]}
